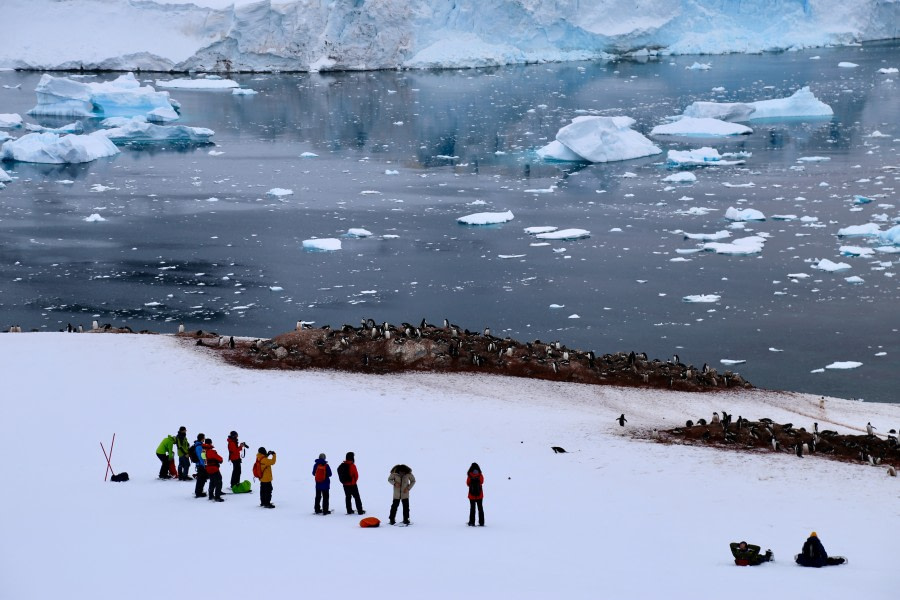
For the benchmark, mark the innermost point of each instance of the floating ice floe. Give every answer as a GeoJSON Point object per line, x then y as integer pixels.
{"type": "Point", "coordinates": [702, 298]}
{"type": "Point", "coordinates": [10, 120]}
{"type": "Point", "coordinates": [547, 190]}
{"type": "Point", "coordinates": [891, 236]}
{"type": "Point", "coordinates": [509, 256]}
{"type": "Point", "coordinates": [76, 127]}
{"type": "Point", "coordinates": [279, 192]}
{"type": "Point", "coordinates": [555, 306]}
{"type": "Point", "coordinates": [700, 157]}
{"type": "Point", "coordinates": [888, 70]}
{"type": "Point", "coordinates": [848, 364]}
{"type": "Point", "coordinates": [847, 65]}
{"type": "Point", "coordinates": [599, 139]}
{"type": "Point", "coordinates": [857, 199]}
{"type": "Point", "coordinates": [243, 92]}
{"type": "Point", "coordinates": [486, 218]}
{"type": "Point", "coordinates": [813, 158]}
{"type": "Point", "coordinates": [699, 66]}
{"type": "Point", "coordinates": [187, 83]}
{"type": "Point", "coordinates": [701, 127]}
{"type": "Point", "coordinates": [322, 245]}
{"type": "Point", "coordinates": [745, 214]}
{"type": "Point", "coordinates": [855, 279]}
{"type": "Point", "coordinates": [731, 361]}
{"type": "Point", "coordinates": [309, 155]}
{"type": "Point", "coordinates": [94, 218]}
{"type": "Point", "coordinates": [728, 184]}
{"type": "Point", "coordinates": [137, 129]}
{"type": "Point", "coordinates": [867, 230]}
{"type": "Point", "coordinates": [357, 232]}
{"type": "Point", "coordinates": [51, 148]}
{"type": "Point", "coordinates": [801, 104]}
{"type": "Point", "coordinates": [708, 237]}
{"type": "Point", "coordinates": [739, 247]}
{"type": "Point", "coordinates": [856, 251]}
{"type": "Point", "coordinates": [565, 234]}
{"type": "Point", "coordinates": [830, 266]}
{"type": "Point", "coordinates": [276, 288]}
{"type": "Point", "coordinates": [540, 229]}
{"type": "Point", "coordinates": [123, 96]}
{"type": "Point", "coordinates": [725, 111]}
{"type": "Point", "coordinates": [683, 177]}
{"type": "Point", "coordinates": [784, 217]}
{"type": "Point", "coordinates": [4, 176]}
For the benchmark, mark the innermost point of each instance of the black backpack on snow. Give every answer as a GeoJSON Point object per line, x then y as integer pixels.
{"type": "Point", "coordinates": [343, 473]}
{"type": "Point", "coordinates": [474, 486]}
{"type": "Point", "coordinates": [123, 476]}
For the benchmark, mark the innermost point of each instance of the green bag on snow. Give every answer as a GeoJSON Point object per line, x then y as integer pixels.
{"type": "Point", "coordinates": [241, 488]}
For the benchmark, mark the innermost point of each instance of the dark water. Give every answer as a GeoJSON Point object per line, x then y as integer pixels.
{"type": "Point", "coordinates": [166, 254]}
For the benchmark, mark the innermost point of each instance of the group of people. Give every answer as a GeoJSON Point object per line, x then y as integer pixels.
{"type": "Point", "coordinates": [813, 554]}
{"type": "Point", "coordinates": [208, 462]}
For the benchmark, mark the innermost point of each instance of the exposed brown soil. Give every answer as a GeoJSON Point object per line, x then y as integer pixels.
{"type": "Point", "coordinates": [374, 349]}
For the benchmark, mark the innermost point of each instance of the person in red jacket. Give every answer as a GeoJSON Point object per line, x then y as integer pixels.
{"type": "Point", "coordinates": [475, 481]}
{"type": "Point", "coordinates": [234, 455]}
{"type": "Point", "coordinates": [348, 475]}
{"type": "Point", "coordinates": [213, 462]}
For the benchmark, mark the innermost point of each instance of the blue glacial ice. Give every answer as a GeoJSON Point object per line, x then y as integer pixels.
{"type": "Point", "coordinates": [137, 129]}
{"type": "Point", "coordinates": [121, 97]}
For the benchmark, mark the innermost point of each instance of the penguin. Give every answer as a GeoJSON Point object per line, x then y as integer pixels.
{"type": "Point", "coordinates": [558, 450]}
{"type": "Point", "coordinates": [555, 367]}
{"type": "Point", "coordinates": [715, 417]}
{"type": "Point", "coordinates": [869, 429]}
{"type": "Point", "coordinates": [180, 327]}
{"type": "Point", "coordinates": [81, 329]}
{"type": "Point", "coordinates": [622, 420]}
{"type": "Point", "coordinates": [231, 342]}
{"type": "Point", "coordinates": [701, 421]}
{"type": "Point", "coordinates": [815, 428]}
{"type": "Point", "coordinates": [822, 403]}
{"type": "Point", "coordinates": [95, 326]}
{"type": "Point", "coordinates": [775, 444]}
{"type": "Point", "coordinates": [365, 360]}
{"type": "Point", "coordinates": [689, 423]}
{"type": "Point", "coordinates": [799, 450]}
{"type": "Point", "coordinates": [487, 332]}
{"type": "Point", "coordinates": [299, 326]}
{"type": "Point", "coordinates": [891, 471]}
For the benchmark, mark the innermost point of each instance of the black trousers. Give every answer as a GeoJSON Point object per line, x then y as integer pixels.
{"type": "Point", "coordinates": [265, 493]}
{"type": "Point", "coordinates": [472, 505]}
{"type": "Point", "coordinates": [235, 472]}
{"type": "Point", "coordinates": [322, 499]}
{"type": "Point", "coordinates": [202, 476]}
{"type": "Point", "coordinates": [164, 467]}
{"type": "Point", "coordinates": [352, 491]}
{"type": "Point", "coordinates": [215, 485]}
{"type": "Point", "coordinates": [184, 465]}
{"type": "Point", "coordinates": [394, 506]}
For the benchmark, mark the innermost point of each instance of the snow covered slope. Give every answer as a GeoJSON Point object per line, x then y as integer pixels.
{"type": "Point", "coordinates": [613, 518]}
{"type": "Point", "coordinates": [376, 34]}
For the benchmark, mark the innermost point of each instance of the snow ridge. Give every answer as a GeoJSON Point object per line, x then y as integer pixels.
{"type": "Point", "coordinates": [312, 35]}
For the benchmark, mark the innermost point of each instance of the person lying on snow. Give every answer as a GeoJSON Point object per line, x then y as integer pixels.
{"type": "Point", "coordinates": [814, 555]}
{"type": "Point", "coordinates": [748, 554]}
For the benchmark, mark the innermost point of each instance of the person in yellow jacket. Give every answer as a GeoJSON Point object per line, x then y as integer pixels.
{"type": "Point", "coordinates": [165, 452]}
{"type": "Point", "coordinates": [263, 470]}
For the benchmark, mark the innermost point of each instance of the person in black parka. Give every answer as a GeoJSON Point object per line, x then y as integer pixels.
{"type": "Point", "coordinates": [814, 555]}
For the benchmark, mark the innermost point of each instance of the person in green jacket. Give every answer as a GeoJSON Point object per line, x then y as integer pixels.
{"type": "Point", "coordinates": [184, 450]}
{"type": "Point", "coordinates": [165, 453]}
{"type": "Point", "coordinates": [748, 554]}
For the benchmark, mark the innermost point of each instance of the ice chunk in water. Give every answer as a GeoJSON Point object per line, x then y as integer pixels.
{"type": "Point", "coordinates": [10, 120]}
{"type": "Point", "coordinates": [486, 218]}
{"type": "Point", "coordinates": [322, 245]}
{"type": "Point", "coordinates": [701, 127]}
{"type": "Point", "coordinates": [123, 96]}
{"type": "Point", "coordinates": [701, 157]}
{"type": "Point", "coordinates": [604, 139]}
{"type": "Point", "coordinates": [51, 148]}
{"type": "Point", "coordinates": [138, 129]}
{"type": "Point", "coordinates": [726, 111]}
{"type": "Point", "coordinates": [746, 214]}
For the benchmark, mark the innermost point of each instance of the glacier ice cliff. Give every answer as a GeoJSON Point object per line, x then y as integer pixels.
{"type": "Point", "coordinates": [310, 35]}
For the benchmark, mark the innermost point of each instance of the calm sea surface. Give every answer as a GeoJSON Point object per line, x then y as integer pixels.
{"type": "Point", "coordinates": [191, 235]}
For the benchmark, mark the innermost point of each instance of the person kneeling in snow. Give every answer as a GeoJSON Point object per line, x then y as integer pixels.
{"type": "Point", "coordinates": [814, 555]}
{"type": "Point", "coordinates": [748, 554]}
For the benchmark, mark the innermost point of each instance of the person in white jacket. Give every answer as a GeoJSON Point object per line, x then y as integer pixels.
{"type": "Point", "coordinates": [403, 480]}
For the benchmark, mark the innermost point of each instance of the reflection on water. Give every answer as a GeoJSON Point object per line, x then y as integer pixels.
{"type": "Point", "coordinates": [192, 236]}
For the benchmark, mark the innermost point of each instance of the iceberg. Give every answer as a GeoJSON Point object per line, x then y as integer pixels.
{"type": "Point", "coordinates": [555, 150]}
{"type": "Point", "coordinates": [847, 65]}
{"type": "Point", "coordinates": [701, 127]}
{"type": "Point", "coordinates": [701, 157]}
{"type": "Point", "coordinates": [889, 70]}
{"type": "Point", "coordinates": [708, 237]}
{"type": "Point", "coordinates": [279, 192]}
{"type": "Point", "coordinates": [198, 84]}
{"type": "Point", "coordinates": [682, 177]}
{"type": "Point", "coordinates": [76, 127]}
{"type": "Point", "coordinates": [702, 298]}
{"type": "Point", "coordinates": [867, 230]}
{"type": "Point", "coordinates": [565, 234]}
{"type": "Point", "coordinates": [699, 66]}
{"type": "Point", "coordinates": [830, 266]}
{"type": "Point", "coordinates": [742, 246]}
{"type": "Point", "coordinates": [137, 129]}
{"type": "Point", "coordinates": [801, 104]}
{"type": "Point", "coordinates": [602, 139]}
{"type": "Point", "coordinates": [486, 218]}
{"type": "Point", "coordinates": [891, 236]}
{"type": "Point", "coordinates": [357, 232]}
{"type": "Point", "coordinates": [4, 177]}
{"type": "Point", "coordinates": [856, 251]}
{"type": "Point", "coordinates": [847, 364]}
{"type": "Point", "coordinates": [123, 96]}
{"type": "Point", "coordinates": [53, 149]}
{"type": "Point", "coordinates": [243, 92]}
{"type": "Point", "coordinates": [725, 111]}
{"type": "Point", "coordinates": [10, 120]}
{"type": "Point", "coordinates": [322, 245]}
{"type": "Point", "coordinates": [746, 214]}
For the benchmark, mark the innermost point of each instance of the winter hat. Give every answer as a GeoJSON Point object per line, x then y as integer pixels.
{"type": "Point", "coordinates": [261, 450]}
{"type": "Point", "coordinates": [350, 456]}
{"type": "Point", "coordinates": [234, 434]}
{"type": "Point", "coordinates": [322, 456]}
{"type": "Point", "coordinates": [813, 534]}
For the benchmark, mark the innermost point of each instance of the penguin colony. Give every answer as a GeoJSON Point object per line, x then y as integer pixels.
{"type": "Point", "coordinates": [743, 434]}
{"type": "Point", "coordinates": [373, 347]}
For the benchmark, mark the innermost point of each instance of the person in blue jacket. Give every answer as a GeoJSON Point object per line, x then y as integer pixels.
{"type": "Point", "coordinates": [200, 460]}
{"type": "Point", "coordinates": [322, 474]}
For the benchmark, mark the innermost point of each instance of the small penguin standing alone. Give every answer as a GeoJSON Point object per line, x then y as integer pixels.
{"type": "Point", "coordinates": [869, 429]}
{"type": "Point", "coordinates": [622, 420]}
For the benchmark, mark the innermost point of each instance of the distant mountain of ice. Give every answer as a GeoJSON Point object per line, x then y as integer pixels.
{"type": "Point", "coordinates": [309, 35]}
